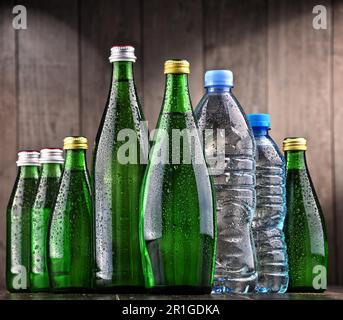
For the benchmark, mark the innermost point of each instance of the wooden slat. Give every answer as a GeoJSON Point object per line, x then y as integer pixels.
{"type": "Point", "coordinates": [299, 93]}
{"type": "Point", "coordinates": [338, 131]}
{"type": "Point", "coordinates": [236, 39]}
{"type": "Point", "coordinates": [48, 74]}
{"type": "Point", "coordinates": [8, 112]}
{"type": "Point", "coordinates": [172, 29]}
{"type": "Point", "coordinates": [104, 24]}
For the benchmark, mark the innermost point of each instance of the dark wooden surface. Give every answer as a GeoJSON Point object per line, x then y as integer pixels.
{"type": "Point", "coordinates": [54, 76]}
{"type": "Point", "coordinates": [334, 293]}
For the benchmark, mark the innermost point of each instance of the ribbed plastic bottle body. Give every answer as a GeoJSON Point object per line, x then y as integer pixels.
{"type": "Point", "coordinates": [235, 190]}
{"type": "Point", "coordinates": [268, 222]}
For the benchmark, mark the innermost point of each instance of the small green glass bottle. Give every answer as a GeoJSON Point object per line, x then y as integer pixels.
{"type": "Point", "coordinates": [178, 218]}
{"type": "Point", "coordinates": [51, 161]}
{"type": "Point", "coordinates": [305, 230]}
{"type": "Point", "coordinates": [70, 246]}
{"type": "Point", "coordinates": [18, 222]}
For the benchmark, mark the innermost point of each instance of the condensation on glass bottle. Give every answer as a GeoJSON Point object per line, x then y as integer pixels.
{"type": "Point", "coordinates": [230, 153]}
{"type": "Point", "coordinates": [70, 234]}
{"type": "Point", "coordinates": [178, 222]}
{"type": "Point", "coordinates": [305, 231]}
{"type": "Point", "coordinates": [119, 162]}
{"type": "Point", "coordinates": [18, 222]}
{"type": "Point", "coordinates": [51, 161]}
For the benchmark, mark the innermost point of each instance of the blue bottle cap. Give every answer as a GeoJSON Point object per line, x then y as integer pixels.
{"type": "Point", "coordinates": [261, 120]}
{"type": "Point", "coordinates": [218, 78]}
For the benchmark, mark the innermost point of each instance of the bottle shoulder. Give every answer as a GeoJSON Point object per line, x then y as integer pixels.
{"type": "Point", "coordinates": [46, 192]}
{"type": "Point", "coordinates": [123, 104]}
{"type": "Point", "coordinates": [220, 110]}
{"type": "Point", "coordinates": [23, 193]}
{"type": "Point", "coordinates": [267, 152]}
{"type": "Point", "coordinates": [223, 112]}
{"type": "Point", "coordinates": [122, 112]}
{"type": "Point", "coordinates": [214, 102]}
{"type": "Point", "coordinates": [73, 180]}
{"type": "Point", "coordinates": [13, 193]}
{"type": "Point", "coordinates": [123, 91]}
{"type": "Point", "coordinates": [302, 192]}
{"type": "Point", "coordinates": [74, 192]}
{"type": "Point", "coordinates": [304, 213]}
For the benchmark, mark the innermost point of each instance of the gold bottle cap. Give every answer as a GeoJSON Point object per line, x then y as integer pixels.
{"type": "Point", "coordinates": [176, 66]}
{"type": "Point", "coordinates": [75, 143]}
{"type": "Point", "coordinates": [294, 143]}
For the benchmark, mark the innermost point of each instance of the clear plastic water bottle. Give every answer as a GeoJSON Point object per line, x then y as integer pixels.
{"type": "Point", "coordinates": [272, 265]}
{"type": "Point", "coordinates": [230, 153]}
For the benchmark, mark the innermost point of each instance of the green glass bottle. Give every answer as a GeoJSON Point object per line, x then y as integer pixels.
{"type": "Point", "coordinates": [18, 222]}
{"type": "Point", "coordinates": [178, 219]}
{"type": "Point", "coordinates": [51, 161]}
{"type": "Point", "coordinates": [70, 247]}
{"type": "Point", "coordinates": [305, 230]}
{"type": "Point", "coordinates": [118, 167]}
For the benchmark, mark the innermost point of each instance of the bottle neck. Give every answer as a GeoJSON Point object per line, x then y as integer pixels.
{"type": "Point", "coordinates": [122, 71]}
{"type": "Point", "coordinates": [260, 131]}
{"type": "Point", "coordinates": [26, 172]}
{"type": "Point", "coordinates": [295, 159]}
{"type": "Point", "coordinates": [51, 170]}
{"type": "Point", "coordinates": [176, 94]}
{"type": "Point", "coordinates": [75, 160]}
{"type": "Point", "coordinates": [218, 89]}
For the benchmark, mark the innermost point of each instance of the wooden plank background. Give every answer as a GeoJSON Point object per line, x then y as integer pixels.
{"type": "Point", "coordinates": [8, 123]}
{"type": "Point", "coordinates": [55, 76]}
{"type": "Point", "coordinates": [299, 93]}
{"type": "Point", "coordinates": [337, 131]}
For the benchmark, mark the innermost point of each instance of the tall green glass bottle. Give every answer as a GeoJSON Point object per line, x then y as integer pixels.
{"type": "Point", "coordinates": [51, 161]}
{"type": "Point", "coordinates": [178, 219]}
{"type": "Point", "coordinates": [70, 246]}
{"type": "Point", "coordinates": [305, 230]}
{"type": "Point", "coordinates": [118, 169]}
{"type": "Point", "coordinates": [18, 222]}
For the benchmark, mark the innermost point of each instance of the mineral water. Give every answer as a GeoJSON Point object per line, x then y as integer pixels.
{"type": "Point", "coordinates": [268, 222]}
{"type": "Point", "coordinates": [230, 150]}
